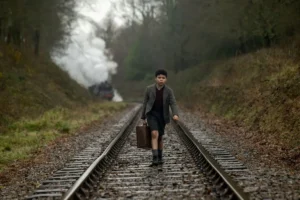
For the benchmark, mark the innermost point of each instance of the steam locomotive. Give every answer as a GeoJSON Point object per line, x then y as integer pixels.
{"type": "Point", "coordinates": [102, 90]}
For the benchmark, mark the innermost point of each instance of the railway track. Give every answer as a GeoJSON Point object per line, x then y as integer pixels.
{"type": "Point", "coordinates": [132, 177]}
{"type": "Point", "coordinates": [123, 171]}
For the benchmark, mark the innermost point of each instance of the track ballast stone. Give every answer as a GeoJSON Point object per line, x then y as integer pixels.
{"type": "Point", "coordinates": [259, 180]}
{"type": "Point", "coordinates": [28, 178]}
{"type": "Point", "coordinates": [132, 177]}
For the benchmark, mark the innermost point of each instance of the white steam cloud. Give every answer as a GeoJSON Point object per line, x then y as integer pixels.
{"type": "Point", "coordinates": [85, 57]}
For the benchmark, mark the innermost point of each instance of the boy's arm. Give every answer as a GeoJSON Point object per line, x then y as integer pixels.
{"type": "Point", "coordinates": [145, 104]}
{"type": "Point", "coordinates": [173, 104]}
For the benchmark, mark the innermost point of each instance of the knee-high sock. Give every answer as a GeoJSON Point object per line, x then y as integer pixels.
{"type": "Point", "coordinates": [160, 151]}
{"type": "Point", "coordinates": [155, 153]}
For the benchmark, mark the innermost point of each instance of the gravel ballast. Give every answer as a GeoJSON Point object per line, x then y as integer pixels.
{"type": "Point", "coordinates": [270, 178]}
{"type": "Point", "coordinates": [25, 176]}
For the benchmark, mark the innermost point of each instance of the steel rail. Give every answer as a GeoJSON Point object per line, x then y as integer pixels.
{"type": "Point", "coordinates": [232, 185]}
{"type": "Point", "coordinates": [87, 182]}
{"type": "Point", "coordinates": [71, 193]}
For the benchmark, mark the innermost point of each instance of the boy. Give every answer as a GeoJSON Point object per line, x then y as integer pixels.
{"type": "Point", "coordinates": [158, 98]}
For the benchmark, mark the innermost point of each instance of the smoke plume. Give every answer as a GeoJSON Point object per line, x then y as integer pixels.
{"type": "Point", "coordinates": [85, 56]}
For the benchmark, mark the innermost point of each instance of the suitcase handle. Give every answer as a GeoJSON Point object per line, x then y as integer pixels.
{"type": "Point", "coordinates": [144, 123]}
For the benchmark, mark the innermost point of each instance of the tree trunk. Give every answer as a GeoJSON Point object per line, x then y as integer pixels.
{"type": "Point", "coordinates": [1, 28]}
{"type": "Point", "coordinates": [36, 40]}
{"type": "Point", "coordinates": [9, 35]}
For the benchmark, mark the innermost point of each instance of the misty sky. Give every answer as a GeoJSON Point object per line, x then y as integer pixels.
{"type": "Point", "coordinates": [98, 9]}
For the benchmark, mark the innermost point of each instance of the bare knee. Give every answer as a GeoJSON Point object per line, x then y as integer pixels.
{"type": "Point", "coordinates": [154, 134]}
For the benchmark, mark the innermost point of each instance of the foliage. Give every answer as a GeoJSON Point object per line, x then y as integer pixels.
{"type": "Point", "coordinates": [177, 34]}
{"type": "Point", "coordinates": [35, 24]}
{"type": "Point", "coordinates": [262, 96]}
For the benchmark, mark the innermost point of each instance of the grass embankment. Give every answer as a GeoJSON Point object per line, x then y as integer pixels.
{"type": "Point", "coordinates": [26, 136]}
{"type": "Point", "coordinates": [31, 85]}
{"type": "Point", "coordinates": [259, 91]}
{"type": "Point", "coordinates": [39, 102]}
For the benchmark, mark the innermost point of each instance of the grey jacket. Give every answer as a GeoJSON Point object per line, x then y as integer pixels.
{"type": "Point", "coordinates": [168, 100]}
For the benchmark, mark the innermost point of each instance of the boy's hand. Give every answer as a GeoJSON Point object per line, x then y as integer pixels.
{"type": "Point", "coordinates": [144, 122]}
{"type": "Point", "coordinates": [175, 117]}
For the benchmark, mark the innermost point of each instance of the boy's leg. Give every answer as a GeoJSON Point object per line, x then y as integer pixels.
{"type": "Point", "coordinates": [154, 136]}
{"type": "Point", "coordinates": [160, 150]}
{"type": "Point", "coordinates": [160, 142]}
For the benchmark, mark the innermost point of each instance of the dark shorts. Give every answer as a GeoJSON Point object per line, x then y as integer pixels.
{"type": "Point", "coordinates": [156, 122]}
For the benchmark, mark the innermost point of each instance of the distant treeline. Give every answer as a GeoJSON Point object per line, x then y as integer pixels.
{"type": "Point", "coordinates": [34, 24]}
{"type": "Point", "coordinates": [177, 34]}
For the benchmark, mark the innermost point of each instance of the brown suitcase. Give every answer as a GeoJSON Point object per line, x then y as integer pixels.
{"type": "Point", "coordinates": [143, 137]}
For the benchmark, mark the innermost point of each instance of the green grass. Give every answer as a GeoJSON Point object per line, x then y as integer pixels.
{"type": "Point", "coordinates": [24, 137]}
{"type": "Point", "coordinates": [20, 145]}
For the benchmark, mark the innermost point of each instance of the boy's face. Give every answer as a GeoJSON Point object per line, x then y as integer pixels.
{"type": "Point", "coordinates": [161, 80]}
